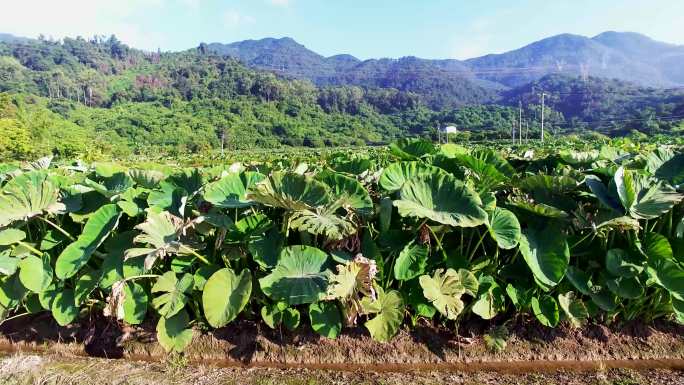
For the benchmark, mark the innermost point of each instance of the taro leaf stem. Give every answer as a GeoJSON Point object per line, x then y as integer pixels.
{"type": "Point", "coordinates": [13, 317]}
{"type": "Point", "coordinates": [58, 228]}
{"type": "Point", "coordinates": [31, 248]}
{"type": "Point", "coordinates": [477, 246]}
{"type": "Point", "coordinates": [195, 254]}
{"type": "Point", "coordinates": [66, 234]}
{"type": "Point", "coordinates": [439, 243]}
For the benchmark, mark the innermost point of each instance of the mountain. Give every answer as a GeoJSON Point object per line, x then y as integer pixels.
{"type": "Point", "coordinates": [60, 96]}
{"type": "Point", "coordinates": [615, 55]}
{"type": "Point", "coordinates": [279, 55]}
{"type": "Point", "coordinates": [440, 83]}
{"type": "Point", "coordinates": [597, 102]}
{"type": "Point", "coordinates": [9, 38]}
{"type": "Point", "coordinates": [620, 55]}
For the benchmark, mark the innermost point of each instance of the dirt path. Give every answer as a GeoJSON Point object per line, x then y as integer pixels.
{"type": "Point", "coordinates": [248, 353]}
{"type": "Point", "coordinates": [52, 370]}
{"type": "Point", "coordinates": [246, 342]}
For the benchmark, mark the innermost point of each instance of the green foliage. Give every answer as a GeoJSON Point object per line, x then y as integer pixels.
{"type": "Point", "coordinates": [420, 240]}
{"type": "Point", "coordinates": [28, 195]}
{"type": "Point", "coordinates": [299, 277]}
{"type": "Point", "coordinates": [325, 319]}
{"type": "Point", "coordinates": [96, 230]}
{"type": "Point", "coordinates": [444, 290]}
{"type": "Point", "coordinates": [225, 295]}
{"type": "Point", "coordinates": [388, 311]}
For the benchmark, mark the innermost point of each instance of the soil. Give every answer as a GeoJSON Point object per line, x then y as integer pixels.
{"type": "Point", "coordinates": [53, 370]}
{"type": "Point", "coordinates": [244, 343]}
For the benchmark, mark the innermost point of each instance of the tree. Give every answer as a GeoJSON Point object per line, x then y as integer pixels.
{"type": "Point", "coordinates": [15, 141]}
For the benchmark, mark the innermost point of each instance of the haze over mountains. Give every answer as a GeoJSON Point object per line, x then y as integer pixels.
{"type": "Point", "coordinates": [621, 55]}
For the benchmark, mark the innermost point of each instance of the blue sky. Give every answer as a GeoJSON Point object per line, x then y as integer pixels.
{"type": "Point", "coordinates": [364, 28]}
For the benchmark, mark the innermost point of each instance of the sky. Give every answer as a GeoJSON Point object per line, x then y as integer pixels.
{"type": "Point", "coordinates": [364, 28]}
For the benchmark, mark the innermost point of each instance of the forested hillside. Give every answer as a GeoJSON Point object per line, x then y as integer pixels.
{"type": "Point", "coordinates": [98, 98]}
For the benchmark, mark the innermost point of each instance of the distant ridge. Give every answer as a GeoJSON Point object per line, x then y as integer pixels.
{"type": "Point", "coordinates": [620, 55]}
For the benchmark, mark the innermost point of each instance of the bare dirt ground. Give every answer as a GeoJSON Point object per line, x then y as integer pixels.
{"type": "Point", "coordinates": [251, 353]}
{"type": "Point", "coordinates": [247, 342]}
{"type": "Point", "coordinates": [52, 370]}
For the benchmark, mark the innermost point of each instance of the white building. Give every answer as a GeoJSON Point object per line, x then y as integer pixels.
{"type": "Point", "coordinates": [450, 130]}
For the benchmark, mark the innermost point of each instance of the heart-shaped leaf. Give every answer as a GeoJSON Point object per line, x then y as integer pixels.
{"type": "Point", "coordinates": [225, 295]}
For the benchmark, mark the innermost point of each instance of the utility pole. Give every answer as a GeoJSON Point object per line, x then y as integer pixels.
{"type": "Point", "coordinates": [439, 133]}
{"type": "Point", "coordinates": [520, 129]}
{"type": "Point", "coordinates": [527, 130]}
{"type": "Point", "coordinates": [542, 119]}
{"type": "Point", "coordinates": [513, 132]}
{"type": "Point", "coordinates": [223, 141]}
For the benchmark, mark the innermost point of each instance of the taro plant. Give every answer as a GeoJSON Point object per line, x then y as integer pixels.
{"type": "Point", "coordinates": [415, 234]}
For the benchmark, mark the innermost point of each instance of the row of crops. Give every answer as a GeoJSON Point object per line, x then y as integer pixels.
{"type": "Point", "coordinates": [418, 232]}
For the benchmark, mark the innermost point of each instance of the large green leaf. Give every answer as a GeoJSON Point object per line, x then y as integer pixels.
{"type": "Point", "coordinates": [444, 290]}
{"type": "Point", "coordinates": [412, 148]}
{"type": "Point", "coordinates": [325, 319]}
{"type": "Point", "coordinates": [412, 262]}
{"type": "Point", "coordinates": [441, 198]}
{"type": "Point", "coordinates": [134, 304]}
{"type": "Point", "coordinates": [551, 190]}
{"type": "Point", "coordinates": [11, 236]}
{"type": "Point", "coordinates": [347, 192]}
{"type": "Point", "coordinates": [266, 249]}
{"type": "Point", "coordinates": [85, 284]}
{"type": "Point", "coordinates": [643, 198]}
{"type": "Point", "coordinates": [504, 228]}
{"type": "Point", "coordinates": [279, 313]}
{"type": "Point", "coordinates": [11, 291]}
{"type": "Point", "coordinates": [64, 309]}
{"type": "Point", "coordinates": [35, 273]}
{"type": "Point", "coordinates": [547, 254]}
{"type": "Point", "coordinates": [78, 253]}
{"type": "Point", "coordinates": [28, 195]}
{"type": "Point", "coordinates": [603, 297]}
{"type": "Point", "coordinates": [395, 175]}
{"type": "Point", "coordinates": [490, 298]}
{"type": "Point", "coordinates": [231, 190]}
{"type": "Point", "coordinates": [169, 198]}
{"type": "Point", "coordinates": [487, 177]}
{"type": "Point", "coordinates": [8, 264]}
{"type": "Point", "coordinates": [672, 170]}
{"type": "Point", "coordinates": [538, 209]}
{"type": "Point", "coordinates": [520, 296]}
{"type": "Point", "coordinates": [678, 310]}
{"type": "Point", "coordinates": [225, 295]}
{"type": "Point", "coordinates": [175, 293]}
{"type": "Point", "coordinates": [545, 309]}
{"type": "Point", "coordinates": [388, 309]}
{"type": "Point", "coordinates": [299, 277]}
{"type": "Point", "coordinates": [625, 287]}
{"type": "Point", "coordinates": [574, 309]}
{"type": "Point", "coordinates": [579, 279]}
{"type": "Point", "coordinates": [290, 191]}
{"type": "Point", "coordinates": [163, 232]}
{"type": "Point", "coordinates": [620, 264]}
{"type": "Point", "coordinates": [670, 276]}
{"type": "Point", "coordinates": [603, 194]}
{"type": "Point", "coordinates": [146, 178]}
{"type": "Point", "coordinates": [656, 247]}
{"type": "Point", "coordinates": [174, 334]}
{"type": "Point", "coordinates": [322, 221]}
{"type": "Point", "coordinates": [579, 158]}
{"type": "Point", "coordinates": [249, 228]}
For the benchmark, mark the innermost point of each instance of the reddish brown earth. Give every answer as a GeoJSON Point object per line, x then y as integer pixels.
{"type": "Point", "coordinates": [423, 348]}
